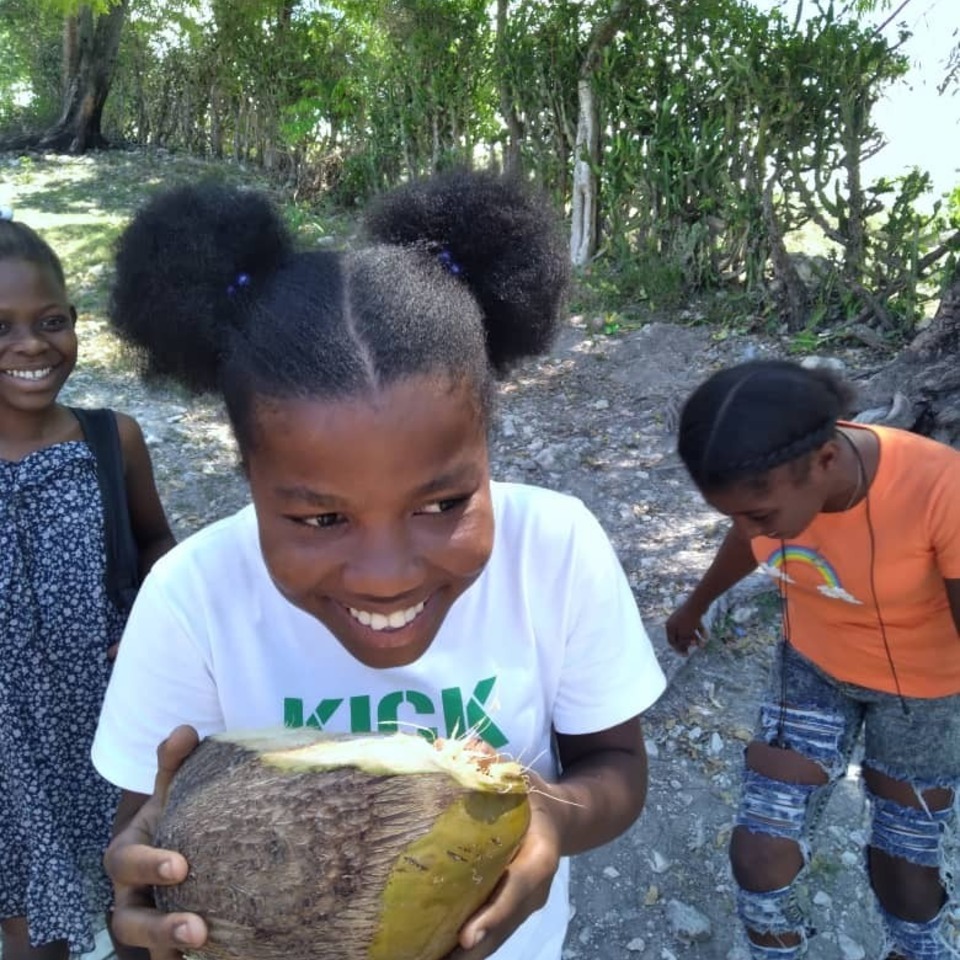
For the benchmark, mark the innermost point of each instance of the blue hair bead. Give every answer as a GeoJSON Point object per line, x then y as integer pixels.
{"type": "Point", "coordinates": [243, 280]}
{"type": "Point", "coordinates": [449, 264]}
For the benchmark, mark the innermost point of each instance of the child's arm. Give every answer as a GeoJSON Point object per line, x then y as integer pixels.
{"type": "Point", "coordinates": [150, 528]}
{"type": "Point", "coordinates": [599, 795]}
{"type": "Point", "coordinates": [733, 562]}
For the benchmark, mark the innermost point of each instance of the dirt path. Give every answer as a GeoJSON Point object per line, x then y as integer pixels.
{"type": "Point", "coordinates": [596, 419]}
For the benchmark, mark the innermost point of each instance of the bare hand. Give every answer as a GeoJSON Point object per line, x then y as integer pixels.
{"type": "Point", "coordinates": [685, 629]}
{"type": "Point", "coordinates": [135, 866]}
{"type": "Point", "coordinates": [524, 887]}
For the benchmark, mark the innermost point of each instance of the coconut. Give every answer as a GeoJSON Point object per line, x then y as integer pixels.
{"type": "Point", "coordinates": [303, 846]}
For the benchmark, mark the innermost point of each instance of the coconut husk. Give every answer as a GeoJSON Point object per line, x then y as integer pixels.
{"type": "Point", "coordinates": [304, 847]}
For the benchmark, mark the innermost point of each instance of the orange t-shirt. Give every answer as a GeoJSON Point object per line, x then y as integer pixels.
{"type": "Point", "coordinates": [834, 616]}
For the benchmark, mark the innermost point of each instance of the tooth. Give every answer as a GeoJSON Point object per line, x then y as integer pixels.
{"type": "Point", "coordinates": [397, 619]}
{"type": "Point", "coordinates": [378, 621]}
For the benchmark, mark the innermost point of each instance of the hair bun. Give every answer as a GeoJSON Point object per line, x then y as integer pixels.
{"type": "Point", "coordinates": [498, 236]}
{"type": "Point", "coordinates": [179, 266]}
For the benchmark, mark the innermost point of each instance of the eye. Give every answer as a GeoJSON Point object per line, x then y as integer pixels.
{"type": "Point", "coordinates": [57, 322]}
{"type": "Point", "coordinates": [322, 520]}
{"type": "Point", "coordinates": [443, 506]}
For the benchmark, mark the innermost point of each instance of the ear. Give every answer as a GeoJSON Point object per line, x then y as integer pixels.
{"type": "Point", "coordinates": [73, 314]}
{"type": "Point", "coordinates": [826, 458]}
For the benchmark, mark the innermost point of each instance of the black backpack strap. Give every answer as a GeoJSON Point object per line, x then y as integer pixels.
{"type": "Point", "coordinates": [123, 558]}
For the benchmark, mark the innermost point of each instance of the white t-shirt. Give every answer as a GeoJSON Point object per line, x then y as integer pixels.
{"type": "Point", "coordinates": [548, 637]}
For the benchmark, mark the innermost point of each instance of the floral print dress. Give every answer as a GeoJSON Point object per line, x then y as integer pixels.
{"type": "Point", "coordinates": [56, 623]}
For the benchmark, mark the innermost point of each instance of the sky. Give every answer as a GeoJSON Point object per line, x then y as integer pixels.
{"type": "Point", "coordinates": [922, 127]}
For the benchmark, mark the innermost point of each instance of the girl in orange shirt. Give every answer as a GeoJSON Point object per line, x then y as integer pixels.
{"type": "Point", "coordinates": [860, 529]}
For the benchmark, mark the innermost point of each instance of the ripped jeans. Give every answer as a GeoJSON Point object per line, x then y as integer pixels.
{"type": "Point", "coordinates": [820, 718]}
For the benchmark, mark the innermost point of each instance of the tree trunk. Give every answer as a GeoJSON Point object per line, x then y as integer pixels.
{"type": "Point", "coordinates": [855, 249]}
{"type": "Point", "coordinates": [586, 155]}
{"type": "Point", "coordinates": [511, 152]}
{"type": "Point", "coordinates": [920, 389]}
{"type": "Point", "coordinates": [790, 293]}
{"type": "Point", "coordinates": [942, 337]}
{"type": "Point", "coordinates": [583, 230]}
{"type": "Point", "coordinates": [90, 55]}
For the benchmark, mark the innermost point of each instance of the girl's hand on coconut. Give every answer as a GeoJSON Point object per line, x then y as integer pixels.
{"type": "Point", "coordinates": [135, 866]}
{"type": "Point", "coordinates": [525, 886]}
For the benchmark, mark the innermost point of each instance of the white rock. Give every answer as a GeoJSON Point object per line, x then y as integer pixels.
{"type": "Point", "coordinates": [698, 835]}
{"type": "Point", "coordinates": [653, 751]}
{"type": "Point", "coordinates": [601, 404]}
{"type": "Point", "coordinates": [822, 899]}
{"type": "Point", "coordinates": [740, 615]}
{"type": "Point", "coordinates": [507, 427]}
{"type": "Point", "coordinates": [823, 363]}
{"type": "Point", "coordinates": [611, 873]}
{"type": "Point", "coordinates": [850, 949]}
{"type": "Point", "coordinates": [546, 459]}
{"type": "Point", "coordinates": [637, 945]}
{"type": "Point", "coordinates": [716, 744]}
{"type": "Point", "coordinates": [658, 862]}
{"type": "Point", "coordinates": [687, 923]}
{"type": "Point", "coordinates": [849, 859]}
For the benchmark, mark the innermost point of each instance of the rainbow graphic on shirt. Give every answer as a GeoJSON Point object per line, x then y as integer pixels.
{"type": "Point", "coordinates": [776, 567]}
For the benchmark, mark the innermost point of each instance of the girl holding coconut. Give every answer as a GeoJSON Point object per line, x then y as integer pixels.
{"type": "Point", "coordinates": [860, 528]}
{"type": "Point", "coordinates": [380, 578]}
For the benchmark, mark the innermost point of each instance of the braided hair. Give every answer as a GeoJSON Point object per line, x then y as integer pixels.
{"type": "Point", "coordinates": [462, 275]}
{"type": "Point", "coordinates": [746, 420]}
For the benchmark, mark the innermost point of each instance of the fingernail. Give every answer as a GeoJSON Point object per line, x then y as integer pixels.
{"type": "Point", "coordinates": [181, 933]}
{"type": "Point", "coordinates": [480, 935]}
{"type": "Point", "coordinates": [165, 870]}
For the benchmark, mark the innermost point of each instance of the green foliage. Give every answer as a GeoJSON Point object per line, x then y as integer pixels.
{"type": "Point", "coordinates": [706, 108]}
{"type": "Point", "coordinates": [30, 38]}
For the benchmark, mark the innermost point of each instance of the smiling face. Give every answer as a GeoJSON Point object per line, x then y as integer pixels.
{"type": "Point", "coordinates": [374, 514]}
{"type": "Point", "coordinates": [38, 345]}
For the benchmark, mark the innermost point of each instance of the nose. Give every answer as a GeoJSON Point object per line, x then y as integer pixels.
{"type": "Point", "coordinates": [385, 565]}
{"type": "Point", "coordinates": [26, 340]}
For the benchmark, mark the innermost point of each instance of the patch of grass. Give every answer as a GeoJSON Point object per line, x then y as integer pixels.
{"type": "Point", "coordinates": [629, 285]}
{"type": "Point", "coordinates": [81, 204]}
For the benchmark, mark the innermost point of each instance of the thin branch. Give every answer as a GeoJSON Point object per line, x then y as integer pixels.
{"type": "Point", "coordinates": [886, 23]}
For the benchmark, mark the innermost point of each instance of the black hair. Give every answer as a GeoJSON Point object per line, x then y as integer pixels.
{"type": "Point", "coordinates": [746, 420]}
{"type": "Point", "coordinates": [463, 274]}
{"type": "Point", "coordinates": [20, 242]}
